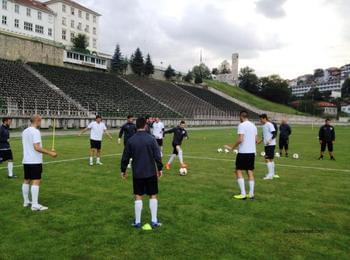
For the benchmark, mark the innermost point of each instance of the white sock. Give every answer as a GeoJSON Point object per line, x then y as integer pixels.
{"type": "Point", "coordinates": [251, 188]}
{"type": "Point", "coordinates": [98, 160]}
{"type": "Point", "coordinates": [172, 158]}
{"type": "Point", "coordinates": [10, 168]}
{"type": "Point", "coordinates": [161, 152]}
{"type": "Point", "coordinates": [153, 205]}
{"type": "Point", "coordinates": [35, 195]}
{"type": "Point", "coordinates": [269, 169]}
{"type": "Point", "coordinates": [25, 192]}
{"type": "Point", "coordinates": [91, 160]}
{"type": "Point", "coordinates": [138, 210]}
{"type": "Point", "coordinates": [273, 168]}
{"type": "Point", "coordinates": [181, 159]}
{"type": "Point", "coordinates": [241, 185]}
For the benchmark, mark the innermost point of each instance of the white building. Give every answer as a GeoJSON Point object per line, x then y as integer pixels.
{"type": "Point", "coordinates": [346, 109]}
{"type": "Point", "coordinates": [27, 17]}
{"type": "Point", "coordinates": [73, 19]}
{"type": "Point", "coordinates": [301, 89]}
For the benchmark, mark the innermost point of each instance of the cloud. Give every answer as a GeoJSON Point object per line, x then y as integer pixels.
{"type": "Point", "coordinates": [271, 8]}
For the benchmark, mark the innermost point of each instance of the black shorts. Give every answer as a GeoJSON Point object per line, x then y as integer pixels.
{"type": "Point", "coordinates": [174, 148]}
{"type": "Point", "coordinates": [329, 145]}
{"type": "Point", "coordinates": [160, 142]}
{"type": "Point", "coordinates": [245, 161]}
{"type": "Point", "coordinates": [147, 186]}
{"type": "Point", "coordinates": [6, 155]}
{"type": "Point", "coordinates": [283, 143]}
{"type": "Point", "coordinates": [32, 171]}
{"type": "Point", "coordinates": [95, 144]}
{"type": "Point", "coordinates": [270, 152]}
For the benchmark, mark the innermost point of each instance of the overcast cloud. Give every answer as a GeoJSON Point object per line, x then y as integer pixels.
{"type": "Point", "coordinates": [288, 37]}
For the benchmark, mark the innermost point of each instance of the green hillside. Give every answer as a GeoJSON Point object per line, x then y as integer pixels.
{"type": "Point", "coordinates": [251, 99]}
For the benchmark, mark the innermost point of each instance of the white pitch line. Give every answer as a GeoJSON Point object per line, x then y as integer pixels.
{"type": "Point", "coordinates": [193, 157]}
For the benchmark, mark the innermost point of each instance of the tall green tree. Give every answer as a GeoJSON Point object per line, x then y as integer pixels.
{"type": "Point", "coordinates": [275, 89]}
{"type": "Point", "coordinates": [169, 73]}
{"type": "Point", "coordinates": [137, 62]}
{"type": "Point", "coordinates": [248, 80]}
{"type": "Point", "coordinates": [125, 64]}
{"type": "Point", "coordinates": [149, 68]}
{"type": "Point", "coordinates": [80, 43]}
{"type": "Point", "coordinates": [201, 71]}
{"type": "Point", "coordinates": [345, 90]}
{"type": "Point", "coordinates": [117, 61]}
{"type": "Point", "coordinates": [188, 77]}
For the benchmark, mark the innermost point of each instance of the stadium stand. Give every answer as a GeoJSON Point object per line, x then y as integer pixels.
{"type": "Point", "coordinates": [223, 104]}
{"type": "Point", "coordinates": [175, 97]}
{"type": "Point", "coordinates": [104, 93]}
{"type": "Point", "coordinates": [23, 93]}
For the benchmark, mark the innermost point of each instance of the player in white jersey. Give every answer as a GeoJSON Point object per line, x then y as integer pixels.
{"type": "Point", "coordinates": [98, 128]}
{"type": "Point", "coordinates": [269, 140]}
{"type": "Point", "coordinates": [158, 133]}
{"type": "Point", "coordinates": [32, 163]}
{"type": "Point", "coordinates": [245, 161]}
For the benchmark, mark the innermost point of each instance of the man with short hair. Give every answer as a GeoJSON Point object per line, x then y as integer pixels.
{"type": "Point", "coordinates": [98, 128]}
{"type": "Point", "coordinates": [5, 149]}
{"type": "Point", "coordinates": [285, 132]}
{"type": "Point", "coordinates": [32, 163]}
{"type": "Point", "coordinates": [245, 160]}
{"type": "Point", "coordinates": [326, 136]}
{"type": "Point", "coordinates": [179, 134]}
{"type": "Point", "coordinates": [158, 133]}
{"type": "Point", "coordinates": [269, 139]}
{"type": "Point", "coordinates": [149, 124]}
{"type": "Point", "coordinates": [127, 130]}
{"type": "Point", "coordinates": [147, 167]}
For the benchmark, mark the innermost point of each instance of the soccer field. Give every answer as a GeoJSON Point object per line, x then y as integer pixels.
{"type": "Point", "coordinates": [303, 215]}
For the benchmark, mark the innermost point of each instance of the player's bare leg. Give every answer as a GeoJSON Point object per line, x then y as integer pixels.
{"type": "Point", "coordinates": [98, 157]}
{"type": "Point", "coordinates": [92, 155]}
{"type": "Point", "coordinates": [241, 185]}
{"type": "Point", "coordinates": [251, 184]}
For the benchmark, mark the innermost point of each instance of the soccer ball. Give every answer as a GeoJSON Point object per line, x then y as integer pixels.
{"type": "Point", "coordinates": [227, 150]}
{"type": "Point", "coordinates": [295, 156]}
{"type": "Point", "coordinates": [235, 151]}
{"type": "Point", "coordinates": [262, 154]}
{"type": "Point", "coordinates": [278, 155]}
{"type": "Point", "coordinates": [220, 150]}
{"type": "Point", "coordinates": [183, 171]}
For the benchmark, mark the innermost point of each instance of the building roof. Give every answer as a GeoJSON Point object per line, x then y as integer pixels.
{"type": "Point", "coordinates": [35, 4]}
{"type": "Point", "coordinates": [326, 104]}
{"type": "Point", "coordinates": [74, 4]}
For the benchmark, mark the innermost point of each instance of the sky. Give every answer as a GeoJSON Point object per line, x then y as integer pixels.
{"type": "Point", "coordinates": [285, 37]}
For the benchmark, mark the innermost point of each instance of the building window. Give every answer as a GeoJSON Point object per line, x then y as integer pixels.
{"type": "Point", "coordinates": [49, 32]}
{"type": "Point", "coordinates": [79, 26]}
{"type": "Point", "coordinates": [17, 9]}
{"type": "Point", "coordinates": [87, 16]}
{"type": "Point", "coordinates": [94, 30]}
{"type": "Point", "coordinates": [39, 15]}
{"type": "Point", "coordinates": [72, 23]}
{"type": "Point", "coordinates": [87, 28]}
{"type": "Point", "coordinates": [80, 13]}
{"type": "Point", "coordinates": [94, 18]}
{"type": "Point", "coordinates": [29, 12]}
{"type": "Point", "coordinates": [4, 20]}
{"type": "Point", "coordinates": [16, 23]}
{"type": "Point", "coordinates": [64, 34]}
{"type": "Point", "coordinates": [72, 36]}
{"type": "Point", "coordinates": [64, 21]}
{"type": "Point", "coordinates": [64, 8]}
{"type": "Point", "coordinates": [4, 4]}
{"type": "Point", "coordinates": [94, 43]}
{"type": "Point", "coordinates": [72, 10]}
{"type": "Point", "coordinates": [39, 29]}
{"type": "Point", "coordinates": [28, 26]}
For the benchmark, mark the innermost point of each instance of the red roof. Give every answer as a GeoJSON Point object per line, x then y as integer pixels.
{"type": "Point", "coordinates": [74, 4]}
{"type": "Point", "coordinates": [34, 4]}
{"type": "Point", "coordinates": [326, 104]}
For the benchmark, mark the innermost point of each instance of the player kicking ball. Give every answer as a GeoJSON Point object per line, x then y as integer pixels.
{"type": "Point", "coordinates": [179, 134]}
{"type": "Point", "coordinates": [245, 160]}
{"type": "Point", "coordinates": [98, 128]}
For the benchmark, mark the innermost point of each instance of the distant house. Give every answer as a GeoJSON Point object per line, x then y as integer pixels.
{"type": "Point", "coordinates": [327, 108]}
{"type": "Point", "coordinates": [345, 108]}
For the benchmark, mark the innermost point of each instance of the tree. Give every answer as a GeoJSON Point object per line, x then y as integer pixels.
{"type": "Point", "coordinates": [125, 64]}
{"type": "Point", "coordinates": [318, 73]}
{"type": "Point", "coordinates": [80, 43]}
{"type": "Point", "coordinates": [314, 94]}
{"type": "Point", "coordinates": [169, 73]}
{"type": "Point", "coordinates": [215, 71]}
{"type": "Point", "coordinates": [149, 68]}
{"type": "Point", "coordinates": [117, 61]}
{"type": "Point", "coordinates": [201, 71]}
{"type": "Point", "coordinates": [198, 79]}
{"type": "Point", "coordinates": [248, 80]}
{"type": "Point", "coordinates": [137, 62]}
{"type": "Point", "coordinates": [345, 90]}
{"type": "Point", "coordinates": [275, 89]}
{"type": "Point", "coordinates": [188, 77]}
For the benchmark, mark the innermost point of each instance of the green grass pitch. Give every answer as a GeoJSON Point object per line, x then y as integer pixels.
{"type": "Point", "coordinates": [303, 215]}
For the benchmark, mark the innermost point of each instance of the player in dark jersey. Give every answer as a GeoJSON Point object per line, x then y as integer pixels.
{"type": "Point", "coordinates": [179, 134]}
{"type": "Point", "coordinates": [285, 132]}
{"type": "Point", "coordinates": [326, 137]}
{"type": "Point", "coordinates": [128, 130]}
{"type": "Point", "coordinates": [5, 149]}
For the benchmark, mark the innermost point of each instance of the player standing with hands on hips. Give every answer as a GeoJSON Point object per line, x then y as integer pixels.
{"type": "Point", "coordinates": [147, 167]}
{"type": "Point", "coordinates": [32, 163]}
{"type": "Point", "coordinates": [98, 128]}
{"type": "Point", "coordinates": [326, 136]}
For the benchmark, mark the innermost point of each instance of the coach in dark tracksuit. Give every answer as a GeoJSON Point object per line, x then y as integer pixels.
{"type": "Point", "coordinates": [128, 130]}
{"type": "Point", "coordinates": [147, 167]}
{"type": "Point", "coordinates": [285, 132]}
{"type": "Point", "coordinates": [5, 149]}
{"type": "Point", "coordinates": [326, 137]}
